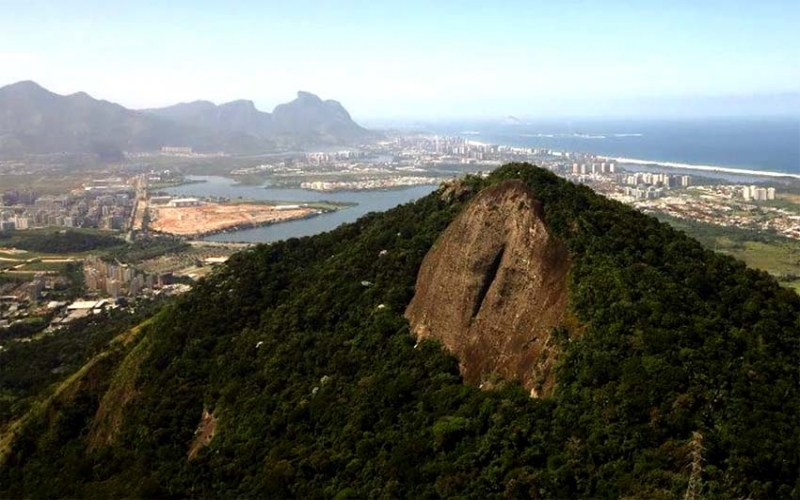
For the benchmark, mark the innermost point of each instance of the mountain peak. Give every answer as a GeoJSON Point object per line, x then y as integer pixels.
{"type": "Point", "coordinates": [311, 117]}
{"type": "Point", "coordinates": [240, 104]}
{"type": "Point", "coordinates": [200, 102]}
{"type": "Point", "coordinates": [302, 95]}
{"type": "Point", "coordinates": [80, 95]}
{"type": "Point", "coordinates": [25, 86]}
{"type": "Point", "coordinates": [33, 119]}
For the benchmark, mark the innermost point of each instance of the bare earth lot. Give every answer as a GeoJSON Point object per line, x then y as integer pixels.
{"type": "Point", "coordinates": [212, 217]}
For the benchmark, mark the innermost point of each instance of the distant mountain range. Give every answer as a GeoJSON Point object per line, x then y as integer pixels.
{"type": "Point", "coordinates": [35, 120]}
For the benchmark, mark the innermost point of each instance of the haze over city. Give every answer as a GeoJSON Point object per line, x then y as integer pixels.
{"type": "Point", "coordinates": [418, 59]}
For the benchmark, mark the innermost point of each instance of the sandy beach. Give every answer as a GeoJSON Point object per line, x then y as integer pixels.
{"type": "Point", "coordinates": [706, 168]}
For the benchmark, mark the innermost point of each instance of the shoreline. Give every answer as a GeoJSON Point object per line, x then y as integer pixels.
{"type": "Point", "coordinates": [701, 168]}
{"type": "Point", "coordinates": [365, 190]}
{"type": "Point", "coordinates": [160, 186]}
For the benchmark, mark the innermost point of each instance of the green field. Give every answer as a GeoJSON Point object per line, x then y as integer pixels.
{"type": "Point", "coordinates": [46, 266]}
{"type": "Point", "coordinates": [45, 183]}
{"type": "Point", "coordinates": [55, 241]}
{"type": "Point", "coordinates": [774, 254]}
{"type": "Point", "coordinates": [779, 258]}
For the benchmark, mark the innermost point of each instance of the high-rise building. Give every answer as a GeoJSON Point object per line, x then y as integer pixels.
{"type": "Point", "coordinates": [35, 287]}
{"type": "Point", "coordinates": [114, 288]}
{"type": "Point", "coordinates": [23, 222]}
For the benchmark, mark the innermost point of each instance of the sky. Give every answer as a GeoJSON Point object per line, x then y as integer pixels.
{"type": "Point", "coordinates": [437, 59]}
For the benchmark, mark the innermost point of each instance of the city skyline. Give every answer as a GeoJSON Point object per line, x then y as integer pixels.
{"type": "Point", "coordinates": [448, 60]}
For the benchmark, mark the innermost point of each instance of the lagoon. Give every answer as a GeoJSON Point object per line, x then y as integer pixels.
{"type": "Point", "coordinates": [366, 201]}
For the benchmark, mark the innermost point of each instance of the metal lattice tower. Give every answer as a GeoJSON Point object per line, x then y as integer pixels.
{"type": "Point", "coordinates": [694, 490]}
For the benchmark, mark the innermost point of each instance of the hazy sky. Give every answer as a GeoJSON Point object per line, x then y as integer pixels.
{"type": "Point", "coordinates": [411, 58]}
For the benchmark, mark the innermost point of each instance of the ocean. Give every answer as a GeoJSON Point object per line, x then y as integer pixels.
{"type": "Point", "coordinates": [765, 144]}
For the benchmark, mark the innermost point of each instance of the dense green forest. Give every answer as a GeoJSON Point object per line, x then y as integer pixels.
{"type": "Point", "coordinates": [148, 248]}
{"type": "Point", "coordinates": [30, 369]}
{"type": "Point", "coordinates": [680, 362]}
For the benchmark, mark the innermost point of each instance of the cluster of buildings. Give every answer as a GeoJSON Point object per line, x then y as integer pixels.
{"type": "Point", "coordinates": [120, 279]}
{"type": "Point", "coordinates": [172, 202]}
{"type": "Point", "coordinates": [319, 158]}
{"type": "Point", "coordinates": [649, 185]}
{"type": "Point", "coordinates": [656, 180]}
{"type": "Point", "coordinates": [35, 287]}
{"type": "Point", "coordinates": [608, 178]}
{"type": "Point", "coordinates": [31, 299]}
{"type": "Point", "coordinates": [66, 313]}
{"type": "Point", "coordinates": [756, 193]}
{"type": "Point", "coordinates": [444, 149]}
{"type": "Point", "coordinates": [644, 192]}
{"type": "Point", "coordinates": [10, 311]}
{"type": "Point", "coordinates": [593, 168]}
{"type": "Point", "coordinates": [364, 184]}
{"type": "Point", "coordinates": [723, 205]}
{"type": "Point", "coordinates": [32, 291]}
{"type": "Point", "coordinates": [13, 309]}
{"type": "Point", "coordinates": [177, 150]}
{"type": "Point", "coordinates": [104, 204]}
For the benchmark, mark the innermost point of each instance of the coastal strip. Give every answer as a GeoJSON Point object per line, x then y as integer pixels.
{"type": "Point", "coordinates": [704, 168]}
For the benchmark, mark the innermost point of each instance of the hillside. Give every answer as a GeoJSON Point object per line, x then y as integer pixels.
{"type": "Point", "coordinates": [293, 373]}
{"type": "Point", "coordinates": [35, 120]}
{"type": "Point", "coordinates": [308, 115]}
{"type": "Point", "coordinates": [307, 119]}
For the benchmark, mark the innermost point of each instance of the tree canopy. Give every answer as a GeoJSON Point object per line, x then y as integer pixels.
{"type": "Point", "coordinates": [300, 351]}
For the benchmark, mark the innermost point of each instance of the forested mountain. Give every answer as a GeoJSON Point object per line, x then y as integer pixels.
{"type": "Point", "coordinates": [35, 120]}
{"type": "Point", "coordinates": [235, 116]}
{"type": "Point", "coordinates": [308, 114]}
{"type": "Point", "coordinates": [292, 372]}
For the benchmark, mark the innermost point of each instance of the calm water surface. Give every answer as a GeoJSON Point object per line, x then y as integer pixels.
{"type": "Point", "coordinates": [367, 201]}
{"type": "Point", "coordinates": [770, 143]}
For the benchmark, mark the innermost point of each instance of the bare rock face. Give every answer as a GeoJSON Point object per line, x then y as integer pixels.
{"type": "Point", "coordinates": [204, 433]}
{"type": "Point", "coordinates": [493, 287]}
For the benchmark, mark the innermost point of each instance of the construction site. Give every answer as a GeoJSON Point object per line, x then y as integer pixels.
{"type": "Point", "coordinates": [203, 218]}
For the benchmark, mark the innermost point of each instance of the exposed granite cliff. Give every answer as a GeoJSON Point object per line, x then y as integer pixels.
{"type": "Point", "coordinates": [493, 287]}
